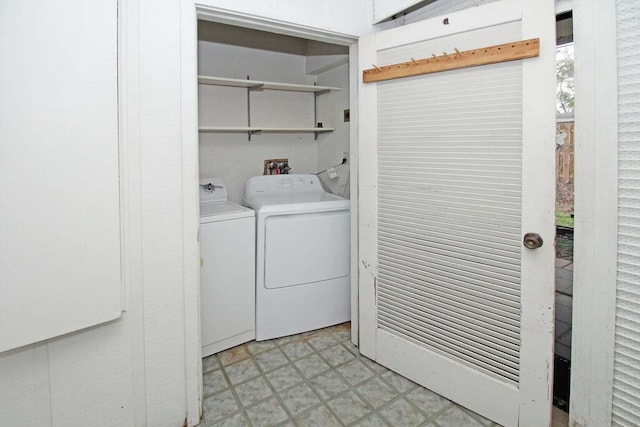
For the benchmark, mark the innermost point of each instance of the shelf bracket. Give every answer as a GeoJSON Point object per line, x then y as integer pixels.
{"type": "Point", "coordinates": [249, 111]}
{"type": "Point", "coordinates": [253, 132]}
{"type": "Point", "coordinates": [315, 113]}
{"type": "Point", "coordinates": [315, 109]}
{"type": "Point", "coordinates": [469, 58]}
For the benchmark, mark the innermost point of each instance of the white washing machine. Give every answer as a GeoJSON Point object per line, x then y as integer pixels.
{"type": "Point", "coordinates": [302, 254]}
{"type": "Point", "coordinates": [227, 269]}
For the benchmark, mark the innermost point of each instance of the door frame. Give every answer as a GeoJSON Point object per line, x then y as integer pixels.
{"type": "Point", "coordinates": [192, 11]}
{"type": "Point", "coordinates": [596, 202]}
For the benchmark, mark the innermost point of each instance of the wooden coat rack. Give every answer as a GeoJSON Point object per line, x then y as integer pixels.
{"type": "Point", "coordinates": [468, 58]}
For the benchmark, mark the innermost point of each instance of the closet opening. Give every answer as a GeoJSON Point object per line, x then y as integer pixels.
{"type": "Point", "coordinates": [268, 104]}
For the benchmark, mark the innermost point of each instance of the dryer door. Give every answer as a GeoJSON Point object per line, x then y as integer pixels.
{"type": "Point", "coordinates": [306, 248]}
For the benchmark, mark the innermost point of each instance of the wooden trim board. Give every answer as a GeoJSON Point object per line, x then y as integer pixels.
{"type": "Point", "coordinates": [470, 58]}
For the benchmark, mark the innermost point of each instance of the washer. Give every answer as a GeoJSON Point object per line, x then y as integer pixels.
{"type": "Point", "coordinates": [227, 269]}
{"type": "Point", "coordinates": [302, 254]}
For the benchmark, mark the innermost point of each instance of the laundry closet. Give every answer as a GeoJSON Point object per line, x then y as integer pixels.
{"type": "Point", "coordinates": [268, 104]}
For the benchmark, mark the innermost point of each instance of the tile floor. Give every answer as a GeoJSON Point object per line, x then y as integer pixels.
{"type": "Point", "coordinates": [564, 303]}
{"type": "Point", "coordinates": [564, 309]}
{"type": "Point", "coordinates": [318, 379]}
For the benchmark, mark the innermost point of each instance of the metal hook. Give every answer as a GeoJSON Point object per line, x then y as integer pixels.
{"type": "Point", "coordinates": [457, 51]}
{"type": "Point", "coordinates": [445, 54]}
{"type": "Point", "coordinates": [434, 56]}
{"type": "Point", "coordinates": [376, 67]}
{"type": "Point", "coordinates": [414, 61]}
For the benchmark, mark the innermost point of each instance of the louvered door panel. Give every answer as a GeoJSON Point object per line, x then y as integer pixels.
{"type": "Point", "coordinates": [449, 185]}
{"type": "Point", "coordinates": [626, 385]}
{"type": "Point", "coordinates": [453, 168]}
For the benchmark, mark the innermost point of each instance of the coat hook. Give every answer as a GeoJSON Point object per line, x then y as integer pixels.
{"type": "Point", "coordinates": [445, 54]}
{"type": "Point", "coordinates": [457, 51]}
{"type": "Point", "coordinates": [434, 56]}
{"type": "Point", "coordinates": [376, 67]}
{"type": "Point", "coordinates": [414, 61]}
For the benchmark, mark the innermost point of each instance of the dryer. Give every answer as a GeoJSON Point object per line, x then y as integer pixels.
{"type": "Point", "coordinates": [302, 254]}
{"type": "Point", "coordinates": [227, 275]}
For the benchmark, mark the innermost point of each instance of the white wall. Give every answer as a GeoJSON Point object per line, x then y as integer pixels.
{"type": "Point", "coordinates": [272, 58]}
{"type": "Point", "coordinates": [441, 7]}
{"type": "Point", "coordinates": [430, 10]}
{"type": "Point", "coordinates": [232, 156]}
{"type": "Point", "coordinates": [141, 369]}
{"type": "Point", "coordinates": [332, 146]}
{"type": "Point", "coordinates": [353, 17]}
{"type": "Point", "coordinates": [322, 57]}
{"type": "Point", "coordinates": [383, 9]}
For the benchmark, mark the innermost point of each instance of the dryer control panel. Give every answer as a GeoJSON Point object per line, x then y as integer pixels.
{"type": "Point", "coordinates": [274, 184]}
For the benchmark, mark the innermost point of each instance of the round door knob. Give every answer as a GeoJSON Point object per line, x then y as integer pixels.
{"type": "Point", "coordinates": [532, 241]}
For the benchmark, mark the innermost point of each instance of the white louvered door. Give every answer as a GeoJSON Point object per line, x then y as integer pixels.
{"type": "Point", "coordinates": [455, 167]}
{"type": "Point", "coordinates": [626, 358]}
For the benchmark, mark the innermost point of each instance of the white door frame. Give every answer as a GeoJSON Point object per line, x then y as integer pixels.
{"type": "Point", "coordinates": [191, 12]}
{"type": "Point", "coordinates": [191, 207]}
{"type": "Point", "coordinates": [596, 204]}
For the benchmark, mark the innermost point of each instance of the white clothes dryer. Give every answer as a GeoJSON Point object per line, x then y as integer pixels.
{"type": "Point", "coordinates": [302, 254]}
{"type": "Point", "coordinates": [227, 269]}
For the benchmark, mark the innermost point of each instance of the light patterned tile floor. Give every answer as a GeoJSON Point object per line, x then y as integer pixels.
{"type": "Point", "coordinates": [564, 307]}
{"type": "Point", "coordinates": [318, 379]}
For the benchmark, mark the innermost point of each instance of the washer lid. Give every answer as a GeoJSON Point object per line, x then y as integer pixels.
{"type": "Point", "coordinates": [223, 211]}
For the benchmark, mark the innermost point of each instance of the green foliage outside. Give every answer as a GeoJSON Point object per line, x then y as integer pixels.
{"type": "Point", "coordinates": [564, 219]}
{"type": "Point", "coordinates": [565, 86]}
